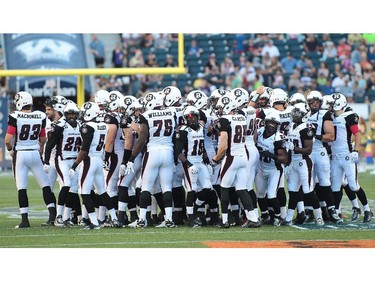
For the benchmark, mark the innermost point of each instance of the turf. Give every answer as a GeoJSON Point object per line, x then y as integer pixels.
{"type": "Point", "coordinates": [181, 237]}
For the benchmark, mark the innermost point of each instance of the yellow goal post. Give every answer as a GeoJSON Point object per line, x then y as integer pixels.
{"type": "Point", "coordinates": [82, 72]}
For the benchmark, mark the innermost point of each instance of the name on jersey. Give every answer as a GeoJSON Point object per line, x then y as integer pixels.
{"type": "Point", "coordinates": [239, 118]}
{"type": "Point", "coordinates": [159, 114]}
{"type": "Point", "coordinates": [30, 116]}
{"type": "Point", "coordinates": [101, 127]}
{"type": "Point", "coordinates": [285, 115]}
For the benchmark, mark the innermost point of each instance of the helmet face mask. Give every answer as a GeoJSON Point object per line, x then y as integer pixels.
{"type": "Point", "coordinates": [279, 96]}
{"type": "Point", "coordinates": [101, 99]}
{"type": "Point", "coordinates": [299, 113]}
{"type": "Point", "coordinates": [191, 115]}
{"type": "Point", "coordinates": [71, 113]}
{"type": "Point", "coordinates": [172, 95]}
{"type": "Point", "coordinates": [314, 99]}
{"type": "Point", "coordinates": [271, 122]}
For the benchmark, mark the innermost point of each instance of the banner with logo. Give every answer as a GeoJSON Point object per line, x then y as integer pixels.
{"type": "Point", "coordinates": [45, 51]}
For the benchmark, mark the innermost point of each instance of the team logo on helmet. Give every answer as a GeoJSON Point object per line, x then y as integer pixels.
{"type": "Point", "coordinates": [225, 100]}
{"type": "Point", "coordinates": [238, 93]}
{"type": "Point", "coordinates": [221, 92]}
{"type": "Point", "coordinates": [335, 96]}
{"type": "Point", "coordinates": [198, 95]}
{"type": "Point", "coordinates": [167, 91]}
{"type": "Point", "coordinates": [128, 101]}
{"type": "Point", "coordinates": [17, 97]}
{"type": "Point", "coordinates": [149, 97]}
{"type": "Point", "coordinates": [112, 97]}
{"type": "Point", "coordinates": [87, 105]}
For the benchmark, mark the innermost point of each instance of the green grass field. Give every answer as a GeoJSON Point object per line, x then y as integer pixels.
{"type": "Point", "coordinates": [181, 237]}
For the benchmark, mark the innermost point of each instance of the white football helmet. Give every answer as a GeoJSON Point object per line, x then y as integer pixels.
{"type": "Point", "coordinates": [153, 100]}
{"type": "Point", "coordinates": [241, 96]}
{"type": "Point", "coordinates": [314, 95]}
{"type": "Point", "coordinates": [101, 99]}
{"type": "Point", "coordinates": [278, 96]}
{"type": "Point", "coordinates": [339, 101]}
{"type": "Point", "coordinates": [172, 95]}
{"type": "Point", "coordinates": [225, 104]}
{"type": "Point", "coordinates": [327, 102]}
{"type": "Point", "coordinates": [71, 107]}
{"type": "Point", "coordinates": [113, 100]}
{"type": "Point", "coordinates": [273, 116]}
{"type": "Point", "coordinates": [89, 110]}
{"type": "Point", "coordinates": [59, 103]}
{"type": "Point", "coordinates": [191, 116]}
{"type": "Point", "coordinates": [197, 98]}
{"type": "Point", "coordinates": [130, 103]}
{"type": "Point", "coordinates": [300, 110]}
{"type": "Point", "coordinates": [297, 98]}
{"type": "Point", "coordinates": [22, 99]}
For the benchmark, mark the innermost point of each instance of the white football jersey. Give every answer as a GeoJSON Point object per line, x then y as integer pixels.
{"type": "Point", "coordinates": [96, 132]}
{"type": "Point", "coordinates": [194, 141]}
{"type": "Point", "coordinates": [297, 135]}
{"type": "Point", "coordinates": [161, 125]}
{"type": "Point", "coordinates": [342, 124]}
{"type": "Point", "coordinates": [28, 126]}
{"type": "Point", "coordinates": [317, 119]}
{"type": "Point", "coordinates": [235, 126]}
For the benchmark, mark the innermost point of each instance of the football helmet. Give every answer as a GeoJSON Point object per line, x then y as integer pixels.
{"type": "Point", "coordinates": [339, 101]}
{"type": "Point", "coordinates": [311, 98]}
{"type": "Point", "coordinates": [71, 108]}
{"type": "Point", "coordinates": [191, 115]}
{"type": "Point", "coordinates": [225, 104]}
{"type": "Point", "coordinates": [271, 122]}
{"type": "Point", "coordinates": [197, 98]}
{"type": "Point", "coordinates": [241, 96]}
{"type": "Point", "coordinates": [113, 100]}
{"type": "Point", "coordinates": [130, 103]}
{"type": "Point", "coordinates": [327, 102]}
{"type": "Point", "coordinates": [297, 98]}
{"type": "Point", "coordinates": [154, 100]}
{"type": "Point", "coordinates": [22, 99]}
{"type": "Point", "coordinates": [279, 96]}
{"type": "Point", "coordinates": [214, 97]}
{"type": "Point", "coordinates": [101, 99]}
{"type": "Point", "coordinates": [299, 113]}
{"type": "Point", "coordinates": [172, 95]}
{"type": "Point", "coordinates": [89, 110]}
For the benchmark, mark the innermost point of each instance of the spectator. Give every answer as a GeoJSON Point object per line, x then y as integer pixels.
{"type": "Point", "coordinates": [227, 66]}
{"type": "Point", "coordinates": [343, 49]}
{"type": "Point", "coordinates": [355, 39]}
{"type": "Point", "coordinates": [118, 56]}
{"type": "Point", "coordinates": [162, 42]}
{"type": "Point", "coordinates": [347, 89]}
{"type": "Point", "coordinates": [323, 69]}
{"type": "Point", "coordinates": [306, 79]}
{"type": "Point", "coordinates": [346, 64]}
{"type": "Point", "coordinates": [271, 49]}
{"type": "Point", "coordinates": [233, 80]}
{"type": "Point", "coordinates": [355, 56]}
{"type": "Point", "coordinates": [294, 81]}
{"type": "Point", "coordinates": [147, 41]}
{"type": "Point", "coordinates": [358, 92]}
{"type": "Point", "coordinates": [194, 49]}
{"type": "Point", "coordinates": [338, 81]}
{"type": "Point", "coordinates": [210, 63]}
{"type": "Point", "coordinates": [169, 61]}
{"type": "Point", "coordinates": [311, 43]}
{"type": "Point", "coordinates": [238, 45]}
{"type": "Point", "coordinates": [322, 79]}
{"type": "Point", "coordinates": [266, 60]}
{"type": "Point", "coordinates": [215, 79]}
{"type": "Point", "coordinates": [201, 83]}
{"type": "Point", "coordinates": [302, 62]}
{"type": "Point", "coordinates": [329, 51]}
{"type": "Point", "coordinates": [371, 55]}
{"type": "Point", "coordinates": [96, 47]}
{"type": "Point", "coordinates": [288, 63]}
{"type": "Point", "coordinates": [327, 89]}
{"type": "Point", "coordinates": [278, 80]}
{"type": "Point", "coordinates": [275, 64]}
{"type": "Point", "coordinates": [151, 60]}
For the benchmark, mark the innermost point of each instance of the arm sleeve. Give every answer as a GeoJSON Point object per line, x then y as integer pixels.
{"type": "Point", "coordinates": [181, 139]}
{"type": "Point", "coordinates": [87, 134]}
{"type": "Point", "coordinates": [53, 138]}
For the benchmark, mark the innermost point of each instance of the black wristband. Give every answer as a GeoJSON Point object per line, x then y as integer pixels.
{"type": "Point", "coordinates": [355, 150]}
{"type": "Point", "coordinates": [74, 166]}
{"type": "Point", "coordinates": [107, 155]}
{"type": "Point", "coordinates": [206, 160]}
{"type": "Point", "coordinates": [319, 137]}
{"type": "Point", "coordinates": [131, 159]}
{"type": "Point", "coordinates": [127, 154]}
{"type": "Point", "coordinates": [188, 164]}
{"type": "Point", "coordinates": [9, 149]}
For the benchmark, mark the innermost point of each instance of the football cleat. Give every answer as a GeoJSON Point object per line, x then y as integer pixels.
{"type": "Point", "coordinates": [368, 216]}
{"type": "Point", "coordinates": [141, 224]}
{"type": "Point", "coordinates": [59, 221]}
{"type": "Point", "coordinates": [169, 224]}
{"type": "Point", "coordinates": [116, 223]}
{"type": "Point", "coordinates": [68, 223]}
{"type": "Point", "coordinates": [309, 216]}
{"type": "Point", "coordinates": [23, 225]}
{"type": "Point", "coordinates": [356, 213]}
{"type": "Point", "coordinates": [319, 222]}
{"type": "Point", "coordinates": [334, 217]}
{"type": "Point", "coordinates": [251, 224]}
{"type": "Point", "coordinates": [277, 221]}
{"type": "Point", "coordinates": [300, 218]}
{"type": "Point", "coordinates": [225, 224]}
{"type": "Point", "coordinates": [286, 223]}
{"type": "Point", "coordinates": [91, 226]}
{"type": "Point", "coordinates": [48, 223]}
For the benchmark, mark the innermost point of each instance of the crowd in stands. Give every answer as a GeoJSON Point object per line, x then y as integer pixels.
{"type": "Point", "coordinates": [294, 62]}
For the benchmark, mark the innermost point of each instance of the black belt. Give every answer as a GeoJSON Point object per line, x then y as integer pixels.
{"type": "Point", "coordinates": [70, 158]}
{"type": "Point", "coordinates": [27, 150]}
